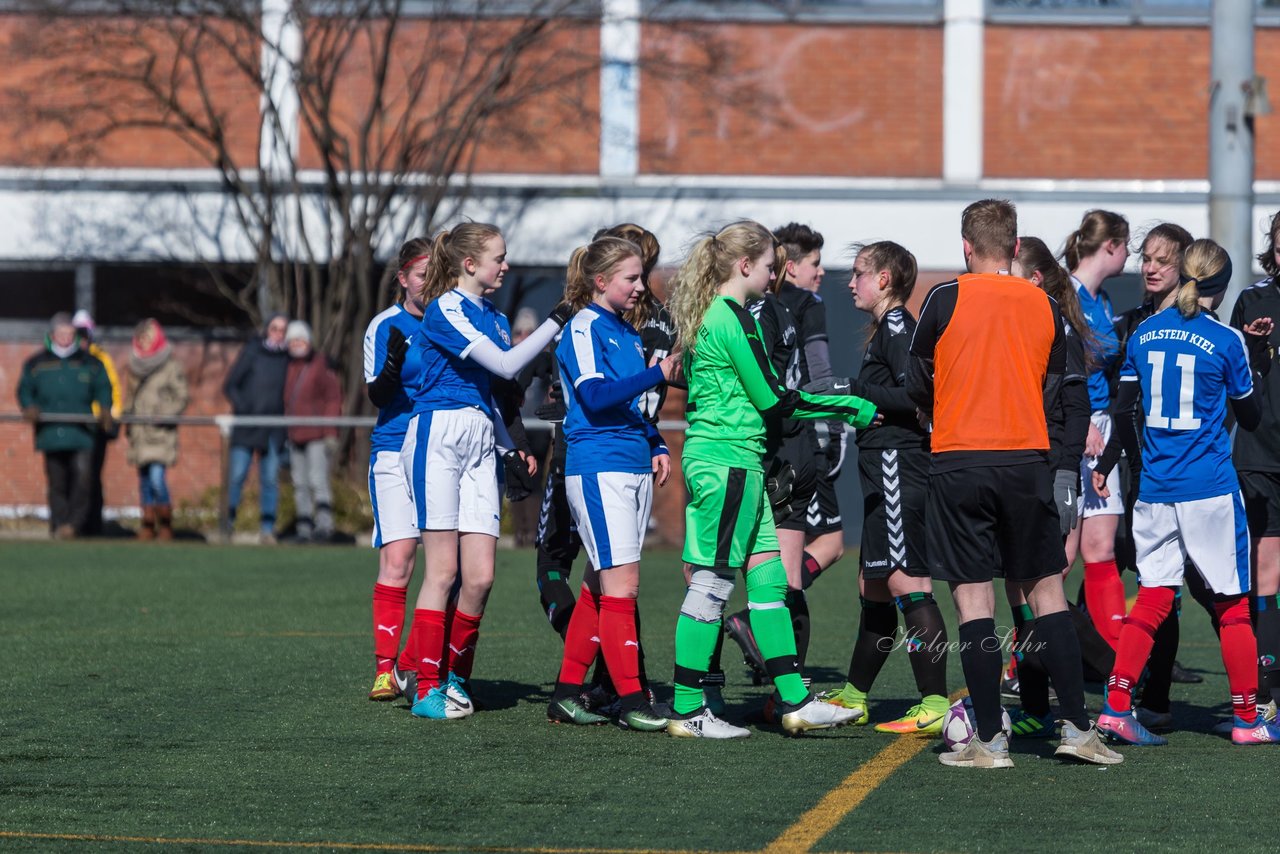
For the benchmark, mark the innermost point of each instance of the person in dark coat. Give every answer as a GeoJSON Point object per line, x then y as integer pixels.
{"type": "Point", "coordinates": [312, 389]}
{"type": "Point", "coordinates": [255, 386]}
{"type": "Point", "coordinates": [64, 379]}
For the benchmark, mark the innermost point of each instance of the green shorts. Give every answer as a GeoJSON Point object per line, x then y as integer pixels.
{"type": "Point", "coordinates": [728, 518]}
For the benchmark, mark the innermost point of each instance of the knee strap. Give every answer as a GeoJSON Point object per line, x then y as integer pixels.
{"type": "Point", "coordinates": [707, 595]}
{"type": "Point", "coordinates": [767, 585]}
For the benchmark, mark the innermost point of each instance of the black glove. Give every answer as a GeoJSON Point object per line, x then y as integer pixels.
{"type": "Point", "coordinates": [385, 387]}
{"type": "Point", "coordinates": [1066, 489]}
{"type": "Point", "coordinates": [553, 410]}
{"type": "Point", "coordinates": [520, 483]}
{"type": "Point", "coordinates": [777, 484]}
{"type": "Point", "coordinates": [1259, 348]}
{"type": "Point", "coordinates": [833, 385]}
{"type": "Point", "coordinates": [561, 314]}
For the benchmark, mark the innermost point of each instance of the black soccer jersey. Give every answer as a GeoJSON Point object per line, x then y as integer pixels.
{"type": "Point", "coordinates": [1069, 421]}
{"type": "Point", "coordinates": [883, 381]}
{"type": "Point", "coordinates": [781, 344]}
{"type": "Point", "coordinates": [1259, 450]}
{"type": "Point", "coordinates": [810, 317]}
{"type": "Point", "coordinates": [657, 337]}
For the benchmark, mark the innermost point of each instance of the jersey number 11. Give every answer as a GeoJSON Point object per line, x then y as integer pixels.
{"type": "Point", "coordinates": [1186, 420]}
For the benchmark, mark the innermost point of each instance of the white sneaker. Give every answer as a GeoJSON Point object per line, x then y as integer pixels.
{"type": "Point", "coordinates": [1085, 745]}
{"type": "Point", "coordinates": [1154, 721]}
{"type": "Point", "coordinates": [704, 725]}
{"type": "Point", "coordinates": [980, 754]}
{"type": "Point", "coordinates": [816, 714]}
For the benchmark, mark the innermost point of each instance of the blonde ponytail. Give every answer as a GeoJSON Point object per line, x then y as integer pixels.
{"type": "Point", "coordinates": [450, 249]}
{"type": "Point", "coordinates": [599, 258]}
{"type": "Point", "coordinates": [1188, 300]}
{"type": "Point", "coordinates": [710, 265]}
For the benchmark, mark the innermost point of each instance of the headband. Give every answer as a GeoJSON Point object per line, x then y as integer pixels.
{"type": "Point", "coordinates": [1213, 285]}
{"type": "Point", "coordinates": [414, 260]}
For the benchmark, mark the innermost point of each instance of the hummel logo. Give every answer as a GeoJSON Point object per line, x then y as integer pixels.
{"type": "Point", "coordinates": [391, 630]}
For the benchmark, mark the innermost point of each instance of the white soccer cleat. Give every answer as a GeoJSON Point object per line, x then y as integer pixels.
{"type": "Point", "coordinates": [980, 754]}
{"type": "Point", "coordinates": [816, 714]}
{"type": "Point", "coordinates": [1085, 745]}
{"type": "Point", "coordinates": [704, 725]}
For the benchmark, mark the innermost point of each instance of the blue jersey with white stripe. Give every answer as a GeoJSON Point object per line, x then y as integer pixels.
{"type": "Point", "coordinates": [451, 328]}
{"type": "Point", "coordinates": [1101, 318]}
{"type": "Point", "coordinates": [393, 419]}
{"type": "Point", "coordinates": [1188, 368]}
{"type": "Point", "coordinates": [598, 345]}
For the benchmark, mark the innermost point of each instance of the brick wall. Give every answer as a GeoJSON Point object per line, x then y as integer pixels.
{"type": "Point", "coordinates": [792, 99]}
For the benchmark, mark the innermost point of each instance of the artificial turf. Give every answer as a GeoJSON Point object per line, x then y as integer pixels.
{"type": "Point", "coordinates": [192, 692]}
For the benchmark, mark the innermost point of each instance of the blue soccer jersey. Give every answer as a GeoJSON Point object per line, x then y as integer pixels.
{"type": "Point", "coordinates": [393, 419]}
{"type": "Point", "coordinates": [1106, 348]}
{"type": "Point", "coordinates": [1188, 369]}
{"type": "Point", "coordinates": [451, 328]}
{"type": "Point", "coordinates": [614, 437]}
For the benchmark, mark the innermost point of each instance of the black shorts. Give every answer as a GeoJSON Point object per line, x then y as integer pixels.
{"type": "Point", "coordinates": [895, 486]}
{"type": "Point", "coordinates": [987, 521]}
{"type": "Point", "coordinates": [1261, 502]}
{"type": "Point", "coordinates": [800, 451]}
{"type": "Point", "coordinates": [558, 542]}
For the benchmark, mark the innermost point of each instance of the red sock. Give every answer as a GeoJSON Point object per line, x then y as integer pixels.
{"type": "Point", "coordinates": [464, 631]}
{"type": "Point", "coordinates": [1104, 595]}
{"type": "Point", "coordinates": [581, 640]}
{"type": "Point", "coordinates": [388, 620]}
{"type": "Point", "coordinates": [619, 643]}
{"type": "Point", "coordinates": [1240, 655]}
{"type": "Point", "coordinates": [1137, 636]}
{"type": "Point", "coordinates": [431, 652]}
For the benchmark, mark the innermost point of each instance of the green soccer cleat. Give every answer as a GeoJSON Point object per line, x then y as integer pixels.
{"type": "Point", "coordinates": [1023, 724]}
{"type": "Point", "coordinates": [643, 719]}
{"type": "Point", "coordinates": [384, 688]}
{"type": "Point", "coordinates": [570, 711]}
{"type": "Point", "coordinates": [836, 697]}
{"type": "Point", "coordinates": [917, 721]}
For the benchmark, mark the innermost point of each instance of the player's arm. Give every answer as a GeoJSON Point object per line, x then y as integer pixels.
{"type": "Point", "coordinates": [1240, 389]}
{"type": "Point", "coordinates": [488, 355]}
{"type": "Point", "coordinates": [939, 305]}
{"type": "Point", "coordinates": [1056, 368]}
{"type": "Point", "coordinates": [384, 355]}
{"type": "Point", "coordinates": [1125, 425]}
{"type": "Point", "coordinates": [598, 394]}
{"type": "Point", "coordinates": [813, 335]}
{"type": "Point", "coordinates": [767, 394]}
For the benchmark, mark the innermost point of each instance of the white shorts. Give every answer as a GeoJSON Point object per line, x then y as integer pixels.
{"type": "Point", "coordinates": [1091, 503]}
{"type": "Point", "coordinates": [611, 510]}
{"type": "Point", "coordinates": [394, 516]}
{"type": "Point", "coordinates": [452, 471]}
{"type": "Point", "coordinates": [1211, 531]}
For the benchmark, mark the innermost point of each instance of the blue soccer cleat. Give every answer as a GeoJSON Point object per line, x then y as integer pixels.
{"type": "Point", "coordinates": [1126, 728]}
{"type": "Point", "coordinates": [1261, 731]}
{"type": "Point", "coordinates": [434, 706]}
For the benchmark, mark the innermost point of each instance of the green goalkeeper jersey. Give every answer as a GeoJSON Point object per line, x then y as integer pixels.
{"type": "Point", "coordinates": [732, 388]}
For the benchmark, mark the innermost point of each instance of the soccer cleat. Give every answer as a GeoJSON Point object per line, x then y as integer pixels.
{"type": "Point", "coordinates": [406, 681]}
{"type": "Point", "coordinates": [1266, 712]}
{"type": "Point", "coordinates": [1184, 676]}
{"type": "Point", "coordinates": [643, 719]}
{"type": "Point", "coordinates": [1023, 724]}
{"type": "Point", "coordinates": [1126, 728]}
{"type": "Point", "coordinates": [600, 699]}
{"type": "Point", "coordinates": [570, 711]}
{"type": "Point", "coordinates": [1260, 731]}
{"type": "Point", "coordinates": [980, 754]}
{"type": "Point", "coordinates": [738, 627]}
{"type": "Point", "coordinates": [1086, 745]}
{"type": "Point", "coordinates": [1154, 721]}
{"type": "Point", "coordinates": [836, 698]}
{"type": "Point", "coordinates": [815, 714]}
{"type": "Point", "coordinates": [917, 721]}
{"type": "Point", "coordinates": [434, 706]}
{"type": "Point", "coordinates": [1010, 688]}
{"type": "Point", "coordinates": [384, 687]}
{"type": "Point", "coordinates": [456, 691]}
{"type": "Point", "coordinates": [703, 724]}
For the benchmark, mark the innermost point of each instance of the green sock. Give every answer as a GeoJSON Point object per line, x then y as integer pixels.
{"type": "Point", "coordinates": [771, 624]}
{"type": "Point", "coordinates": [695, 642]}
{"type": "Point", "coordinates": [935, 704]}
{"type": "Point", "coordinates": [851, 694]}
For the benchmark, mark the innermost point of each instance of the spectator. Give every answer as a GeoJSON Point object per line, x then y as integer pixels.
{"type": "Point", "coordinates": [255, 386]}
{"type": "Point", "coordinates": [64, 379]}
{"type": "Point", "coordinates": [86, 329]}
{"type": "Point", "coordinates": [157, 387]}
{"type": "Point", "coordinates": [312, 389]}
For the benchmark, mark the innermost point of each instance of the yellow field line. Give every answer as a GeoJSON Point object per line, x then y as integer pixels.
{"type": "Point", "coordinates": [351, 846]}
{"type": "Point", "coordinates": [810, 827]}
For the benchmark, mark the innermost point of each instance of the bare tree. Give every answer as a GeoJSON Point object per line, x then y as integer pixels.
{"type": "Point", "coordinates": [337, 128]}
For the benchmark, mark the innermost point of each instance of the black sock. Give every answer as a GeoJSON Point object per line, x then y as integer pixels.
{"type": "Point", "coordinates": [644, 675]}
{"type": "Point", "coordinates": [799, 608]}
{"type": "Point", "coordinates": [980, 659]}
{"type": "Point", "coordinates": [810, 569]}
{"type": "Point", "coordinates": [1060, 652]}
{"type": "Point", "coordinates": [714, 666]}
{"type": "Point", "coordinates": [1204, 598]}
{"type": "Point", "coordinates": [875, 641]}
{"type": "Point", "coordinates": [926, 636]}
{"type": "Point", "coordinates": [1155, 693]}
{"type": "Point", "coordinates": [1098, 657]}
{"type": "Point", "coordinates": [555, 594]}
{"type": "Point", "coordinates": [1269, 646]}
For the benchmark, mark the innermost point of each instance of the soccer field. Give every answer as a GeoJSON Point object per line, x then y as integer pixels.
{"type": "Point", "coordinates": [190, 698]}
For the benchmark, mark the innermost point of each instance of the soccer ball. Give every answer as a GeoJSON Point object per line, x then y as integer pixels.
{"type": "Point", "coordinates": [958, 726]}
